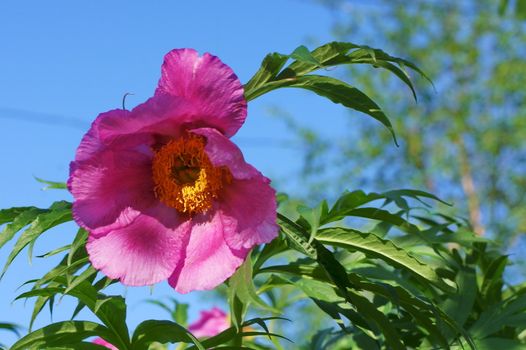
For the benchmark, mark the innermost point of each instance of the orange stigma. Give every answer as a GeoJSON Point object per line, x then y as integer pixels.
{"type": "Point", "coordinates": [184, 177]}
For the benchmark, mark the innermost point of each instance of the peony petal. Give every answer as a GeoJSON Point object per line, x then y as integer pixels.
{"type": "Point", "coordinates": [249, 206]}
{"type": "Point", "coordinates": [223, 152]}
{"type": "Point", "coordinates": [209, 260]}
{"type": "Point", "coordinates": [160, 116]}
{"type": "Point", "coordinates": [143, 253]}
{"type": "Point", "coordinates": [109, 182]}
{"type": "Point", "coordinates": [91, 143]}
{"type": "Point", "coordinates": [210, 323]}
{"type": "Point", "coordinates": [163, 115]}
{"type": "Point", "coordinates": [100, 341]}
{"type": "Point", "coordinates": [209, 84]}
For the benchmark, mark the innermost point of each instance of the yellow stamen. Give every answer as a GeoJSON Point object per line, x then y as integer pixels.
{"type": "Point", "coordinates": [184, 177]}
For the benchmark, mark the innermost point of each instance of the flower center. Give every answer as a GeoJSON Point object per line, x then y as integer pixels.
{"type": "Point", "coordinates": [184, 177]}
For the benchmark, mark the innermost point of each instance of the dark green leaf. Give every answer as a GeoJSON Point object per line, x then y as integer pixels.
{"type": "Point", "coordinates": [163, 332]}
{"type": "Point", "coordinates": [376, 247]}
{"type": "Point", "coordinates": [10, 327]}
{"type": "Point", "coordinates": [335, 90]}
{"type": "Point", "coordinates": [296, 236]}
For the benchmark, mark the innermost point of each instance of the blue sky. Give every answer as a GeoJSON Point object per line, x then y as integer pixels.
{"type": "Point", "coordinates": [63, 62]}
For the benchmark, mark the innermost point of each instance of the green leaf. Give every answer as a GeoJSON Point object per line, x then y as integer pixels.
{"type": "Point", "coordinates": [318, 287]}
{"type": "Point", "coordinates": [313, 217]}
{"type": "Point", "coordinates": [8, 215]}
{"type": "Point", "coordinates": [77, 346]}
{"type": "Point", "coordinates": [378, 321]}
{"type": "Point", "coordinates": [111, 310]}
{"type": "Point", "coordinates": [163, 332]}
{"type": "Point", "coordinates": [498, 316]}
{"type": "Point", "coordinates": [78, 242]}
{"type": "Point", "coordinates": [376, 247]}
{"type": "Point", "coordinates": [232, 332]}
{"type": "Point", "coordinates": [385, 216]}
{"type": "Point", "coordinates": [459, 306]}
{"type": "Point", "coordinates": [60, 333]}
{"type": "Point", "coordinates": [296, 236]}
{"type": "Point", "coordinates": [277, 246]}
{"type": "Point", "coordinates": [335, 90]}
{"type": "Point", "coordinates": [330, 54]}
{"type": "Point", "coordinates": [52, 185]}
{"type": "Point", "coordinates": [55, 251]}
{"type": "Point", "coordinates": [57, 214]}
{"type": "Point", "coordinates": [415, 194]}
{"type": "Point", "coordinates": [178, 312]}
{"type": "Point", "coordinates": [241, 285]}
{"type": "Point", "coordinates": [19, 218]}
{"type": "Point", "coordinates": [337, 53]}
{"type": "Point", "coordinates": [498, 343]}
{"type": "Point", "coordinates": [347, 202]}
{"type": "Point", "coordinates": [90, 272]}
{"type": "Point", "coordinates": [270, 67]}
{"type": "Point", "coordinates": [10, 327]}
{"type": "Point", "coordinates": [302, 54]}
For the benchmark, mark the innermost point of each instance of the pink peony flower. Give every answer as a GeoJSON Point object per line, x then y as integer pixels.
{"type": "Point", "coordinates": [163, 192]}
{"type": "Point", "coordinates": [210, 323]}
{"type": "Point", "coordinates": [100, 341]}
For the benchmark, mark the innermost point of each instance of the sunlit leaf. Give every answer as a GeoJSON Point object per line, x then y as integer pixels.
{"type": "Point", "coordinates": [52, 185]}
{"type": "Point", "coordinates": [60, 333]}
{"type": "Point", "coordinates": [57, 214]}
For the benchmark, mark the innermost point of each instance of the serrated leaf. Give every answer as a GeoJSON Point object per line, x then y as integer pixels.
{"type": "Point", "coordinates": [376, 247]}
